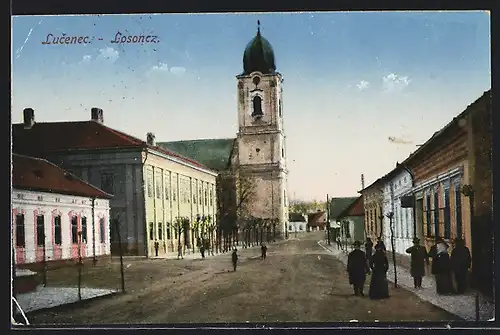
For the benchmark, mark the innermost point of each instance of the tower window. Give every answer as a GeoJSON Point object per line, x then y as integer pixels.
{"type": "Point", "coordinates": [283, 153]}
{"type": "Point", "coordinates": [279, 108]}
{"type": "Point", "coordinates": [257, 107]}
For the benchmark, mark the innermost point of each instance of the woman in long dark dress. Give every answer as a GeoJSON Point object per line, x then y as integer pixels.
{"type": "Point", "coordinates": [379, 288]}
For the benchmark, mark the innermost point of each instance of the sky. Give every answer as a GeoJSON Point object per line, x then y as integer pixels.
{"type": "Point", "coordinates": [361, 89]}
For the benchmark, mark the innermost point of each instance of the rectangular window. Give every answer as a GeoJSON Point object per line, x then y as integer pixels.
{"type": "Point", "coordinates": [174, 189]}
{"type": "Point", "coordinates": [160, 231]}
{"type": "Point", "coordinates": [200, 194]}
{"type": "Point", "coordinates": [206, 196]}
{"type": "Point", "coordinates": [436, 213]}
{"type": "Point", "coordinates": [168, 232]}
{"type": "Point", "coordinates": [102, 230]}
{"type": "Point", "coordinates": [84, 229]}
{"type": "Point", "coordinates": [158, 186]}
{"type": "Point", "coordinates": [458, 210]}
{"type": "Point", "coordinates": [167, 188]}
{"type": "Point", "coordinates": [151, 231]}
{"type": "Point", "coordinates": [428, 215]}
{"type": "Point", "coordinates": [447, 214]}
{"type": "Point", "coordinates": [20, 234]}
{"type": "Point", "coordinates": [150, 183]}
{"type": "Point", "coordinates": [57, 230]}
{"type": "Point", "coordinates": [408, 223]}
{"type": "Point", "coordinates": [40, 231]}
{"type": "Point", "coordinates": [107, 182]}
{"type": "Point", "coordinates": [195, 192]}
{"type": "Point", "coordinates": [210, 197]}
{"type": "Point", "coordinates": [188, 191]}
{"type": "Point", "coordinates": [74, 230]}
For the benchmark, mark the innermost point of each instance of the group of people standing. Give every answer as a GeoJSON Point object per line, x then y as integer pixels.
{"type": "Point", "coordinates": [361, 263]}
{"type": "Point", "coordinates": [444, 266]}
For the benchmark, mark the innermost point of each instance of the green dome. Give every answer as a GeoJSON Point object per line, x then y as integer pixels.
{"type": "Point", "coordinates": [259, 56]}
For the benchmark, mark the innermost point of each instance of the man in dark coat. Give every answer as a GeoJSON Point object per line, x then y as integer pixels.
{"type": "Point", "coordinates": [419, 258]}
{"type": "Point", "coordinates": [234, 259]}
{"type": "Point", "coordinates": [263, 251]}
{"type": "Point", "coordinates": [460, 264]}
{"type": "Point", "coordinates": [357, 268]}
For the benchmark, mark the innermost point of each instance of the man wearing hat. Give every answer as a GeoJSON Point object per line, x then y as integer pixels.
{"type": "Point", "coordinates": [357, 268]}
{"type": "Point", "coordinates": [460, 264]}
{"type": "Point", "coordinates": [419, 258]}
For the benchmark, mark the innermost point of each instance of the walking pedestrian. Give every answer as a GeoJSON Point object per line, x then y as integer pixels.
{"type": "Point", "coordinates": [368, 249]}
{"type": "Point", "coordinates": [202, 251]}
{"type": "Point", "coordinates": [460, 263]}
{"type": "Point", "coordinates": [263, 251]}
{"type": "Point", "coordinates": [441, 267]}
{"type": "Point", "coordinates": [357, 268]}
{"type": "Point", "coordinates": [179, 251]}
{"type": "Point", "coordinates": [234, 259]}
{"type": "Point", "coordinates": [418, 259]}
{"type": "Point", "coordinates": [379, 287]}
{"type": "Point", "coordinates": [157, 247]}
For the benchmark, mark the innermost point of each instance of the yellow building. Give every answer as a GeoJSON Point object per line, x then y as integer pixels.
{"type": "Point", "coordinates": [178, 196]}
{"type": "Point", "coordinates": [373, 201]}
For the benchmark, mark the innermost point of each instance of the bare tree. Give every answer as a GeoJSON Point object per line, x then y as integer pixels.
{"type": "Point", "coordinates": [235, 195]}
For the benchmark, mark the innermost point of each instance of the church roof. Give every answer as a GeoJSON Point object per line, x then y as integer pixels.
{"type": "Point", "coordinates": [36, 174]}
{"type": "Point", "coordinates": [213, 153]}
{"type": "Point", "coordinates": [259, 56]}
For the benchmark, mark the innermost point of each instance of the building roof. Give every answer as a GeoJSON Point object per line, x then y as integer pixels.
{"type": "Point", "coordinates": [338, 205]}
{"type": "Point", "coordinates": [438, 134]}
{"type": "Point", "coordinates": [356, 208]}
{"type": "Point", "coordinates": [213, 153]}
{"type": "Point", "coordinates": [36, 174]}
{"type": "Point", "coordinates": [259, 55]}
{"type": "Point", "coordinates": [296, 217]}
{"type": "Point", "coordinates": [441, 132]}
{"type": "Point", "coordinates": [47, 137]}
{"type": "Point", "coordinates": [315, 219]}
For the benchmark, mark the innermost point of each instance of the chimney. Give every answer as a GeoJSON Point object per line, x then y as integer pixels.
{"type": "Point", "coordinates": [29, 118]}
{"type": "Point", "coordinates": [150, 139]}
{"type": "Point", "coordinates": [97, 115]}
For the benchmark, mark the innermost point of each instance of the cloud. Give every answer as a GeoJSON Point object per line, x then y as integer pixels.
{"type": "Point", "coordinates": [108, 54]}
{"type": "Point", "coordinates": [397, 140]}
{"type": "Point", "coordinates": [394, 82]}
{"type": "Point", "coordinates": [86, 59]}
{"type": "Point", "coordinates": [363, 84]}
{"type": "Point", "coordinates": [178, 70]}
{"type": "Point", "coordinates": [163, 68]}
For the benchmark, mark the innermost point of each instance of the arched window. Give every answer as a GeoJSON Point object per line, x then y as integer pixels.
{"type": "Point", "coordinates": [257, 107]}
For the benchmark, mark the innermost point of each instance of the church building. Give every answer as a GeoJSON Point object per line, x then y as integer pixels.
{"type": "Point", "coordinates": [252, 166]}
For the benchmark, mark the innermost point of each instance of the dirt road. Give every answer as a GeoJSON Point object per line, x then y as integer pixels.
{"type": "Point", "coordinates": [298, 282]}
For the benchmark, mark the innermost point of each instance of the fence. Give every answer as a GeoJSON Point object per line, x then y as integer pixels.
{"type": "Point", "coordinates": [50, 277]}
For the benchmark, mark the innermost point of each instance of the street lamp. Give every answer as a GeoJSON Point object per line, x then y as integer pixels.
{"type": "Point", "coordinates": [390, 216]}
{"type": "Point", "coordinates": [381, 218]}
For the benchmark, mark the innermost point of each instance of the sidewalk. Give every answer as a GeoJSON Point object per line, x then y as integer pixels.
{"type": "Point", "coordinates": [463, 306]}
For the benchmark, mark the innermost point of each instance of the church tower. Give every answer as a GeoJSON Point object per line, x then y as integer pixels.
{"type": "Point", "coordinates": [261, 137]}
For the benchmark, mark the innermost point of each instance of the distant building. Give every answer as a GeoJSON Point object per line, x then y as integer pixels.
{"type": "Point", "coordinates": [316, 221]}
{"type": "Point", "coordinates": [50, 207]}
{"type": "Point", "coordinates": [297, 223]}
{"type": "Point", "coordinates": [373, 199]}
{"type": "Point", "coordinates": [257, 154]}
{"type": "Point", "coordinates": [352, 223]}
{"type": "Point", "coordinates": [154, 189]}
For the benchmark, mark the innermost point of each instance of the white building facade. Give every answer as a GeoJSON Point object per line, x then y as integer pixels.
{"type": "Point", "coordinates": [47, 225]}
{"type": "Point", "coordinates": [396, 186]}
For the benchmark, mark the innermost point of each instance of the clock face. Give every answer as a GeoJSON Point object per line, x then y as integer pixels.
{"type": "Point", "coordinates": [256, 80]}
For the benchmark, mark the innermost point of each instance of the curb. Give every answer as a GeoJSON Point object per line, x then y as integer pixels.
{"type": "Point", "coordinates": [77, 303]}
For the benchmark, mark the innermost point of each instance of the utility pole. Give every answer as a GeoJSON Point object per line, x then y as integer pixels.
{"type": "Point", "coordinates": [122, 274]}
{"type": "Point", "coordinates": [94, 259]}
{"type": "Point", "coordinates": [80, 264]}
{"type": "Point", "coordinates": [44, 261]}
{"type": "Point", "coordinates": [328, 219]}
